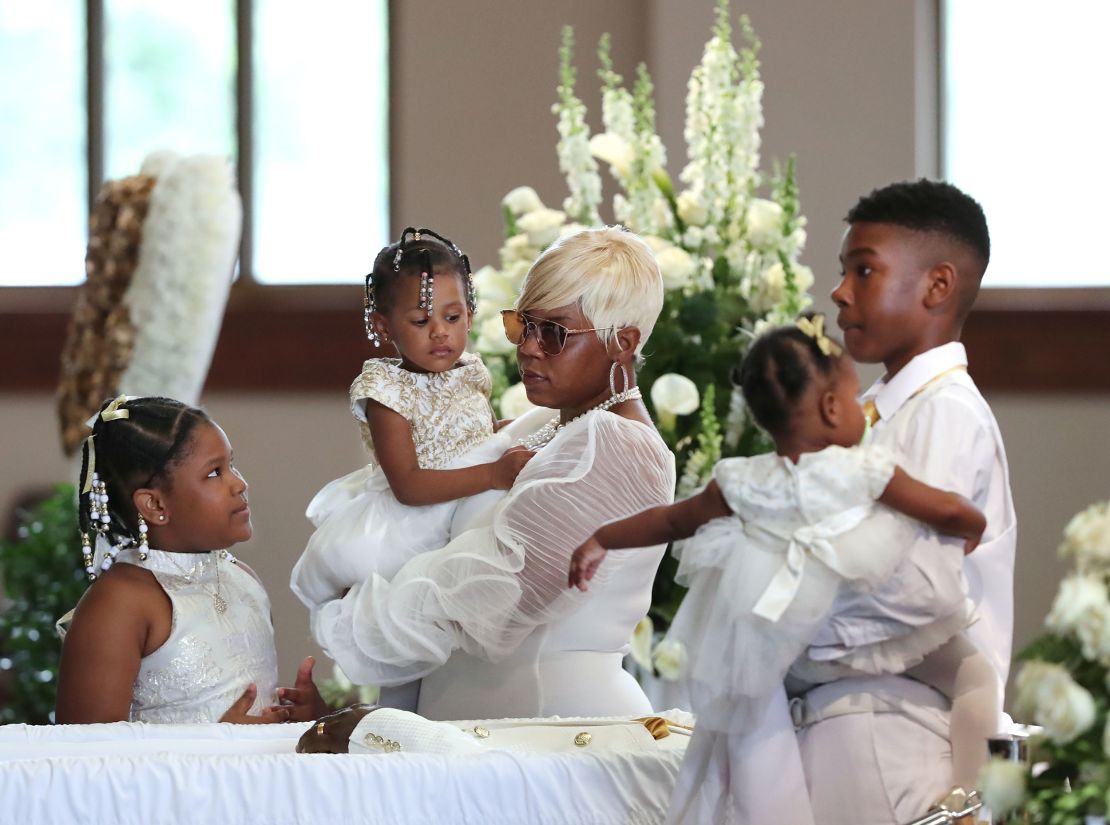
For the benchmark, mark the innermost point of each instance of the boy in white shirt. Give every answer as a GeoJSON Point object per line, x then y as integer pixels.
{"type": "Point", "coordinates": [912, 260]}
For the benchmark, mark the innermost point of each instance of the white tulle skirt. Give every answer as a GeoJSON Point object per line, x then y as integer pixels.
{"type": "Point", "coordinates": [736, 658]}
{"type": "Point", "coordinates": [363, 530]}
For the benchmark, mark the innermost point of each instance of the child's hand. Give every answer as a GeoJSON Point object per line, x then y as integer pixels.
{"type": "Point", "coordinates": [584, 563]}
{"type": "Point", "coordinates": [504, 471]}
{"type": "Point", "coordinates": [302, 701]}
{"type": "Point", "coordinates": [237, 713]}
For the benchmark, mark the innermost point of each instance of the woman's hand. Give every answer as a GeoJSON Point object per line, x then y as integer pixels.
{"type": "Point", "coordinates": [332, 733]}
{"type": "Point", "coordinates": [303, 700]}
{"type": "Point", "coordinates": [238, 712]}
{"type": "Point", "coordinates": [584, 563]}
{"type": "Point", "coordinates": [504, 471]}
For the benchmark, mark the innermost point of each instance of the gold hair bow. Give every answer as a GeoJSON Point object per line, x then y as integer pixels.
{"type": "Point", "coordinates": [815, 329]}
{"type": "Point", "coordinates": [112, 412]}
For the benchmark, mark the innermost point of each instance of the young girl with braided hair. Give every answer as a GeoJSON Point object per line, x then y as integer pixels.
{"type": "Point", "coordinates": [771, 539]}
{"type": "Point", "coordinates": [173, 627]}
{"type": "Point", "coordinates": [426, 420]}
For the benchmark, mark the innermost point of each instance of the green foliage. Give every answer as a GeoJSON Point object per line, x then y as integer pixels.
{"type": "Point", "coordinates": [42, 578]}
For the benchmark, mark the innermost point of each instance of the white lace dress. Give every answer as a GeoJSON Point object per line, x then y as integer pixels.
{"type": "Point", "coordinates": [210, 656]}
{"type": "Point", "coordinates": [361, 527]}
{"type": "Point", "coordinates": [488, 620]}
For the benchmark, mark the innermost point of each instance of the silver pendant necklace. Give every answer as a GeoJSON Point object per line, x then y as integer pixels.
{"type": "Point", "coordinates": [548, 431]}
{"type": "Point", "coordinates": [219, 603]}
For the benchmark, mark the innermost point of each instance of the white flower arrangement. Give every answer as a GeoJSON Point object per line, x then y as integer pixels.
{"type": "Point", "coordinates": [1064, 686]}
{"type": "Point", "coordinates": [180, 286]}
{"type": "Point", "coordinates": [728, 255]}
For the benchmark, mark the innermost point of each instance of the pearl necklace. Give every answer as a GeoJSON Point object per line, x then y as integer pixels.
{"type": "Point", "coordinates": [548, 431]}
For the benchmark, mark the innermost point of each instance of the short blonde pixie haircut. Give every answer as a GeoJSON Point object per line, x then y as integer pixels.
{"type": "Point", "coordinates": [611, 273]}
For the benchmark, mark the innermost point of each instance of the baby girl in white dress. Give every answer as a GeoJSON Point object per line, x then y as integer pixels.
{"type": "Point", "coordinates": [426, 420]}
{"type": "Point", "coordinates": [774, 537]}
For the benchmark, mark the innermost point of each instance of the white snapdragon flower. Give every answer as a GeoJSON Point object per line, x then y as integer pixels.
{"type": "Point", "coordinates": [803, 278]}
{"type": "Point", "coordinates": [614, 150]}
{"type": "Point", "coordinates": [542, 226]}
{"type": "Point", "coordinates": [493, 287]}
{"type": "Point", "coordinates": [764, 223]}
{"type": "Point", "coordinates": [673, 395]}
{"type": "Point", "coordinates": [1087, 537]}
{"type": "Point", "coordinates": [1047, 695]}
{"type": "Point", "coordinates": [518, 248]}
{"type": "Point", "coordinates": [640, 648]}
{"type": "Point", "coordinates": [522, 200]}
{"type": "Point", "coordinates": [514, 401]}
{"type": "Point", "coordinates": [670, 659]}
{"type": "Point", "coordinates": [690, 210]}
{"type": "Point", "coordinates": [1002, 785]}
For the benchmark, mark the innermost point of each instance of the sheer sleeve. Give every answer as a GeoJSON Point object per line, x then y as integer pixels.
{"type": "Point", "coordinates": [493, 585]}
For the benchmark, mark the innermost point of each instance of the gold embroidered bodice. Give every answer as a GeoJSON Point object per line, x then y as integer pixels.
{"type": "Point", "coordinates": [449, 412]}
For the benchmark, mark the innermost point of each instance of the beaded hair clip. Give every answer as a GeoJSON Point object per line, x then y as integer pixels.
{"type": "Point", "coordinates": [97, 490]}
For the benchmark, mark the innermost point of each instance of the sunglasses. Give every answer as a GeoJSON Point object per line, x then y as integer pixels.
{"type": "Point", "coordinates": [551, 337]}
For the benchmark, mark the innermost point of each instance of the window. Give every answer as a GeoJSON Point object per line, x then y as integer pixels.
{"type": "Point", "coordinates": [1024, 131]}
{"type": "Point", "coordinates": [315, 181]}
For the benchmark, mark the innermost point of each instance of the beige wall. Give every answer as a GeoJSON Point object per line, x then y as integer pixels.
{"type": "Point", "coordinates": [475, 82]}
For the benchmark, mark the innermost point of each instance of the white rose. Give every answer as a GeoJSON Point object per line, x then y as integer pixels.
{"type": "Point", "coordinates": [673, 395]}
{"type": "Point", "coordinates": [640, 648]}
{"type": "Point", "coordinates": [764, 223]}
{"type": "Point", "coordinates": [542, 226]}
{"type": "Point", "coordinates": [571, 229]}
{"type": "Point", "coordinates": [690, 210]}
{"type": "Point", "coordinates": [1087, 536]}
{"type": "Point", "coordinates": [614, 150]}
{"type": "Point", "coordinates": [522, 200]}
{"type": "Point", "coordinates": [803, 277]}
{"type": "Point", "coordinates": [1047, 695]}
{"type": "Point", "coordinates": [514, 401]}
{"type": "Point", "coordinates": [514, 273]}
{"type": "Point", "coordinates": [493, 287]}
{"type": "Point", "coordinates": [670, 659]}
{"type": "Point", "coordinates": [1077, 595]}
{"type": "Point", "coordinates": [1002, 785]}
{"type": "Point", "coordinates": [491, 337]}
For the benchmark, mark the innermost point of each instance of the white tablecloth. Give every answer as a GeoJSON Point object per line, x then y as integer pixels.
{"type": "Point", "coordinates": [194, 774]}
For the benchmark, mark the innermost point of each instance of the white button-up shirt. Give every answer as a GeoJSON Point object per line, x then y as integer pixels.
{"type": "Point", "coordinates": [942, 432]}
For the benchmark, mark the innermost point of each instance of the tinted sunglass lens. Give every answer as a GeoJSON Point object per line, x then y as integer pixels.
{"type": "Point", "coordinates": [552, 337]}
{"type": "Point", "coordinates": [514, 327]}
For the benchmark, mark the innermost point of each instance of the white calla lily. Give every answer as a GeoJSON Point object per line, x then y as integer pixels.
{"type": "Point", "coordinates": [640, 648]}
{"type": "Point", "coordinates": [673, 395]}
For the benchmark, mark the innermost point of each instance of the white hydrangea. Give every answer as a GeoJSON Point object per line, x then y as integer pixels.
{"type": "Point", "coordinates": [1047, 695]}
{"type": "Point", "coordinates": [1087, 537]}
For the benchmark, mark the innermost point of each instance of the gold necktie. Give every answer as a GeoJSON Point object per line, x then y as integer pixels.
{"type": "Point", "coordinates": [870, 411]}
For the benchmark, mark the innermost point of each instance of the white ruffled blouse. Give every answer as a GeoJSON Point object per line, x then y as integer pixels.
{"type": "Point", "coordinates": [497, 582]}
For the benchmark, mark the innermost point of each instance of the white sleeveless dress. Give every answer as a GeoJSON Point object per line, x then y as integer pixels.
{"type": "Point", "coordinates": [361, 527]}
{"type": "Point", "coordinates": [210, 656]}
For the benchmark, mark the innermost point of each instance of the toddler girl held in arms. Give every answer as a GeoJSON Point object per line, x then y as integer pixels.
{"type": "Point", "coordinates": [773, 539]}
{"type": "Point", "coordinates": [426, 420]}
{"type": "Point", "coordinates": [173, 627]}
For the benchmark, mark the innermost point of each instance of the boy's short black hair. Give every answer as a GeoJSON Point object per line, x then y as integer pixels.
{"type": "Point", "coordinates": [928, 206]}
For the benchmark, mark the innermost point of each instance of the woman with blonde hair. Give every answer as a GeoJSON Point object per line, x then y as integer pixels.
{"type": "Point", "coordinates": [487, 622]}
